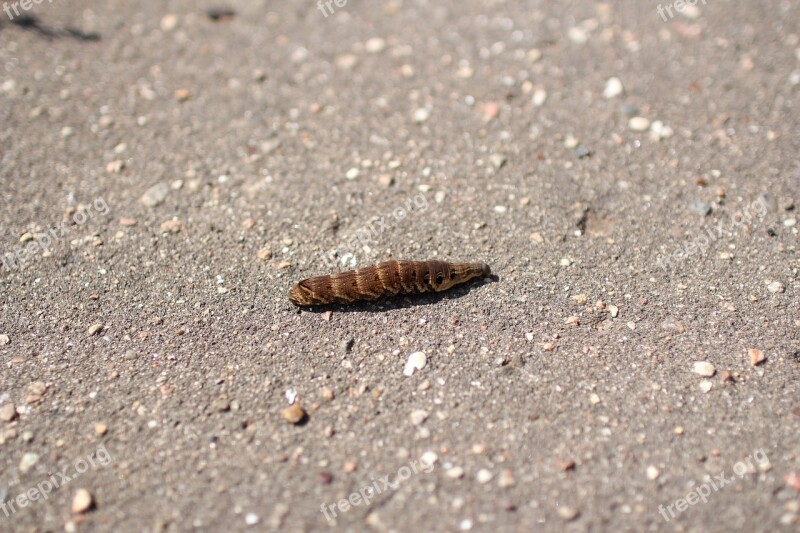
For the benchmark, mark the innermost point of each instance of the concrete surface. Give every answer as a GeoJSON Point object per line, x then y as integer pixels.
{"type": "Point", "coordinates": [167, 175]}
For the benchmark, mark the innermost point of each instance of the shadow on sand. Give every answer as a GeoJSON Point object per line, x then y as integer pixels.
{"type": "Point", "coordinates": [31, 23]}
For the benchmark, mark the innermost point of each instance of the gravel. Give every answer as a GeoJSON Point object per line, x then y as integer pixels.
{"type": "Point", "coordinates": [221, 146]}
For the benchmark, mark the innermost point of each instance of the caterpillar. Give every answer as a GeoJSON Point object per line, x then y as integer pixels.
{"type": "Point", "coordinates": [384, 279]}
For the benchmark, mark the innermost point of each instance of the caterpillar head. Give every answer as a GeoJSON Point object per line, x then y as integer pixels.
{"type": "Point", "coordinates": [446, 275]}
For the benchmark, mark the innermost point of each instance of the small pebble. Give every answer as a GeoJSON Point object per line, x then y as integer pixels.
{"type": "Point", "coordinates": [4, 339]}
{"type": "Point", "coordinates": [346, 61]}
{"type": "Point", "coordinates": [672, 325]}
{"type": "Point", "coordinates": [421, 115]}
{"type": "Point", "coordinates": [498, 161]}
{"type": "Point", "coordinates": [658, 131]}
{"type": "Point", "coordinates": [792, 480]}
{"type": "Point", "coordinates": [82, 501]}
{"type": "Point", "coordinates": [455, 472]}
{"type": "Point", "coordinates": [613, 88]}
{"type": "Point", "coordinates": [652, 472]}
{"type": "Point", "coordinates": [578, 35]}
{"type": "Point", "coordinates": [28, 461]}
{"type": "Point", "coordinates": [701, 208]}
{"type": "Point", "coordinates": [375, 45]}
{"type": "Point", "coordinates": [429, 458]}
{"type": "Point", "coordinates": [639, 124]}
{"type": "Point", "coordinates": [127, 222]}
{"type": "Point", "coordinates": [170, 226]}
{"type": "Point", "coordinates": [483, 476]}
{"type": "Point", "coordinates": [294, 414]}
{"type": "Point", "coordinates": [756, 356]}
{"type": "Point", "coordinates": [8, 412]}
{"type": "Point", "coordinates": [539, 97]}
{"type": "Point", "coordinates": [706, 385]}
{"type": "Point", "coordinates": [582, 151]}
{"type": "Point", "coordinates": [100, 428]}
{"type": "Point", "coordinates": [568, 513]}
{"type": "Point", "coordinates": [506, 479]}
{"type": "Point", "coordinates": [155, 195]}
{"type": "Point", "coordinates": [416, 361]}
{"type": "Point", "coordinates": [94, 330]}
{"type": "Point", "coordinates": [565, 465]}
{"type": "Point", "coordinates": [703, 368]}
{"type": "Point", "coordinates": [490, 111]}
{"type": "Point", "coordinates": [776, 287]}
{"type": "Point", "coordinates": [169, 22]}
{"type": "Point", "coordinates": [419, 416]}
{"type": "Point", "coordinates": [352, 173]}
{"type": "Point", "coordinates": [251, 519]}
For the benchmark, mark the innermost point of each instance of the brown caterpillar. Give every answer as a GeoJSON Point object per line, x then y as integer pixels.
{"type": "Point", "coordinates": [384, 279]}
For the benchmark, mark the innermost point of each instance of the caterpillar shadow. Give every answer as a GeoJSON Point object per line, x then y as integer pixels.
{"type": "Point", "coordinates": [29, 22]}
{"type": "Point", "coordinates": [394, 303]}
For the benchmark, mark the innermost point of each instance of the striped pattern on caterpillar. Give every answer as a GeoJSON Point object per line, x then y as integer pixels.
{"type": "Point", "coordinates": [385, 279]}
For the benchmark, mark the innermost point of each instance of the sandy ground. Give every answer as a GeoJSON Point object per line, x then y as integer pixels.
{"type": "Point", "coordinates": [170, 170]}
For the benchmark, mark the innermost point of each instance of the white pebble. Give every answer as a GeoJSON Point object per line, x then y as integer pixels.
{"type": "Point", "coordinates": [421, 115]}
{"type": "Point", "coordinates": [27, 461]}
{"type": "Point", "coordinates": [455, 473]}
{"type": "Point", "coordinates": [706, 385]}
{"type": "Point", "coordinates": [419, 416]}
{"type": "Point", "coordinates": [704, 368]}
{"type": "Point", "coordinates": [658, 131]}
{"type": "Point", "coordinates": [775, 287]}
{"type": "Point", "coordinates": [375, 45]}
{"type": "Point", "coordinates": [539, 97]}
{"type": "Point", "coordinates": [416, 361]}
{"type": "Point", "coordinates": [352, 173]}
{"type": "Point", "coordinates": [613, 88]}
{"type": "Point", "coordinates": [483, 476]}
{"type": "Point", "coordinates": [429, 458]}
{"type": "Point", "coordinates": [639, 124]}
{"type": "Point", "coordinates": [652, 472]}
{"type": "Point", "coordinates": [578, 35]}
